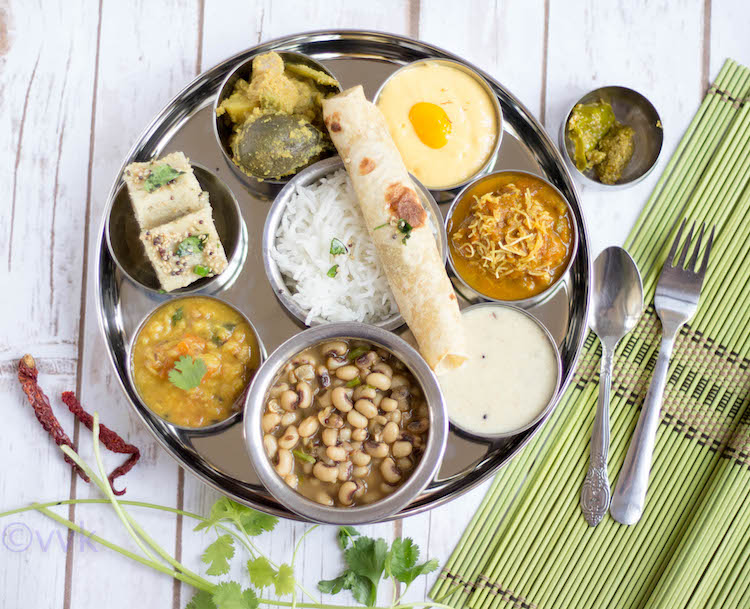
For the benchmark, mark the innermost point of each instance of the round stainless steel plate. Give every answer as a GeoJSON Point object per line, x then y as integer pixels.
{"type": "Point", "coordinates": [186, 124]}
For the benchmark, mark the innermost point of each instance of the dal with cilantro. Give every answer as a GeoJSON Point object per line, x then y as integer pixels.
{"type": "Point", "coordinates": [192, 360]}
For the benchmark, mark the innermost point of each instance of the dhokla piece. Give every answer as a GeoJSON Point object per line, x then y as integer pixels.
{"type": "Point", "coordinates": [186, 249]}
{"type": "Point", "coordinates": [163, 190]}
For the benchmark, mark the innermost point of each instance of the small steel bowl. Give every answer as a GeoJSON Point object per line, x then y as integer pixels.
{"type": "Point", "coordinates": [266, 189]}
{"type": "Point", "coordinates": [305, 178]}
{"type": "Point", "coordinates": [445, 192]}
{"type": "Point", "coordinates": [553, 398]}
{"type": "Point", "coordinates": [208, 429]}
{"type": "Point", "coordinates": [524, 303]}
{"type": "Point", "coordinates": [635, 110]}
{"type": "Point", "coordinates": [122, 235]}
{"type": "Point", "coordinates": [421, 476]}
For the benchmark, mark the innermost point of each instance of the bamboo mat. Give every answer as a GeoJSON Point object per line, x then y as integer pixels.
{"type": "Point", "coordinates": [528, 545]}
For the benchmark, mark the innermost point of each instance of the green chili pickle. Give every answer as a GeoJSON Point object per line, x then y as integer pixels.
{"type": "Point", "coordinates": [600, 141]}
{"type": "Point", "coordinates": [587, 125]}
{"type": "Point", "coordinates": [617, 147]}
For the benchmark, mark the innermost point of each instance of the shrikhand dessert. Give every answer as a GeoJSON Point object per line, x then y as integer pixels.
{"type": "Point", "coordinates": [443, 122]}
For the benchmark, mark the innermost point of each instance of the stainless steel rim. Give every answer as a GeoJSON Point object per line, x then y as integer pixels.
{"type": "Point", "coordinates": [549, 291]}
{"type": "Point", "coordinates": [423, 473]}
{"type": "Point", "coordinates": [467, 69]}
{"type": "Point", "coordinates": [342, 43]}
{"type": "Point", "coordinates": [305, 177]}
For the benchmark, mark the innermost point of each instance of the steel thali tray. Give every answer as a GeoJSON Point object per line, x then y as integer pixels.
{"type": "Point", "coordinates": [219, 458]}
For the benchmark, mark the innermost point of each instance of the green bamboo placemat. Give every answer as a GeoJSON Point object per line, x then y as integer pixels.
{"type": "Point", "coordinates": [528, 545]}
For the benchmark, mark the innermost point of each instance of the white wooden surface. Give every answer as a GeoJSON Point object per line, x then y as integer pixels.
{"type": "Point", "coordinates": [80, 79]}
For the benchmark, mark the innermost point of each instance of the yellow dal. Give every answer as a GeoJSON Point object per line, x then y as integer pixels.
{"type": "Point", "coordinates": [209, 330]}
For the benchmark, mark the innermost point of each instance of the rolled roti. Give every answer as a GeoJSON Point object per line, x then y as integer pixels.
{"type": "Point", "coordinates": [386, 194]}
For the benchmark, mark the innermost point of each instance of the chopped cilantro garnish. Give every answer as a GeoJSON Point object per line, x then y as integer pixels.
{"type": "Point", "coordinates": [354, 382]}
{"type": "Point", "coordinates": [338, 247]}
{"type": "Point", "coordinates": [177, 316]}
{"type": "Point", "coordinates": [203, 271]}
{"type": "Point", "coordinates": [187, 372]}
{"type": "Point", "coordinates": [405, 229]}
{"type": "Point", "coordinates": [161, 175]}
{"type": "Point", "coordinates": [191, 245]}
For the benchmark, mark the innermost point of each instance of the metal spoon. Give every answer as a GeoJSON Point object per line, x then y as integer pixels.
{"type": "Point", "coordinates": [616, 306]}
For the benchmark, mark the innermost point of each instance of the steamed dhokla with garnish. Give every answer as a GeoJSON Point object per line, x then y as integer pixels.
{"type": "Point", "coordinates": [162, 190]}
{"type": "Point", "coordinates": [186, 249]}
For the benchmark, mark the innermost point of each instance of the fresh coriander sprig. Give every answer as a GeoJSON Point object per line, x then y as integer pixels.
{"type": "Point", "coordinates": [187, 372]}
{"type": "Point", "coordinates": [367, 559]}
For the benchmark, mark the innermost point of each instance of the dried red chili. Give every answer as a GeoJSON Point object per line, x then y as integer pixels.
{"type": "Point", "coordinates": [27, 375]}
{"type": "Point", "coordinates": [109, 438]}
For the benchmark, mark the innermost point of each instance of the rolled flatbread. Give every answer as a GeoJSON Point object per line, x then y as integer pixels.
{"type": "Point", "coordinates": [389, 202]}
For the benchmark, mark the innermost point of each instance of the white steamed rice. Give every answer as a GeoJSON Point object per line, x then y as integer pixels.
{"type": "Point", "coordinates": [314, 216]}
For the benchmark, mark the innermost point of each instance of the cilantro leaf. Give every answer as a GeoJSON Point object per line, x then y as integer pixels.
{"type": "Point", "coordinates": [201, 600]}
{"type": "Point", "coordinates": [333, 271]}
{"type": "Point", "coordinates": [338, 247]}
{"type": "Point", "coordinates": [284, 580]}
{"type": "Point", "coordinates": [347, 534]}
{"type": "Point", "coordinates": [354, 382]}
{"type": "Point", "coordinates": [218, 554]}
{"type": "Point", "coordinates": [262, 574]}
{"type": "Point", "coordinates": [229, 595]}
{"type": "Point", "coordinates": [191, 245]}
{"type": "Point", "coordinates": [187, 372]}
{"type": "Point", "coordinates": [334, 586]}
{"type": "Point", "coordinates": [177, 315]}
{"type": "Point", "coordinates": [402, 557]}
{"type": "Point", "coordinates": [201, 271]}
{"type": "Point", "coordinates": [405, 229]}
{"type": "Point", "coordinates": [360, 587]}
{"type": "Point", "coordinates": [402, 561]}
{"type": "Point", "coordinates": [250, 599]}
{"type": "Point", "coordinates": [246, 519]}
{"type": "Point", "coordinates": [254, 523]}
{"type": "Point", "coordinates": [366, 558]}
{"type": "Point", "coordinates": [161, 175]}
{"type": "Point", "coordinates": [363, 590]}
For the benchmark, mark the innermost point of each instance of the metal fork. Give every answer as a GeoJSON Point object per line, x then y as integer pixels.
{"type": "Point", "coordinates": [676, 301]}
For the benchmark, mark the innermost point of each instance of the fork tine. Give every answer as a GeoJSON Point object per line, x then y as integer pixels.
{"type": "Point", "coordinates": [692, 263]}
{"type": "Point", "coordinates": [683, 255]}
{"type": "Point", "coordinates": [704, 264]}
{"type": "Point", "coordinates": [675, 243]}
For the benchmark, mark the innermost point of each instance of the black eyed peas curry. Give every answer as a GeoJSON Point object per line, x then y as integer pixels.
{"type": "Point", "coordinates": [345, 423]}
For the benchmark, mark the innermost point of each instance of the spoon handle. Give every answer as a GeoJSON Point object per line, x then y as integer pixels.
{"type": "Point", "coordinates": [595, 492]}
{"type": "Point", "coordinates": [632, 485]}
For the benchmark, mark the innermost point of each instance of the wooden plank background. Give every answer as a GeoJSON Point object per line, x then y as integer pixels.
{"type": "Point", "coordinates": [81, 78]}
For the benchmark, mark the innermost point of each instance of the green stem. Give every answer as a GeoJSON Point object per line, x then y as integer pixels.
{"type": "Point", "coordinates": [200, 583]}
{"type": "Point", "coordinates": [294, 558]}
{"type": "Point", "coordinates": [113, 501]}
